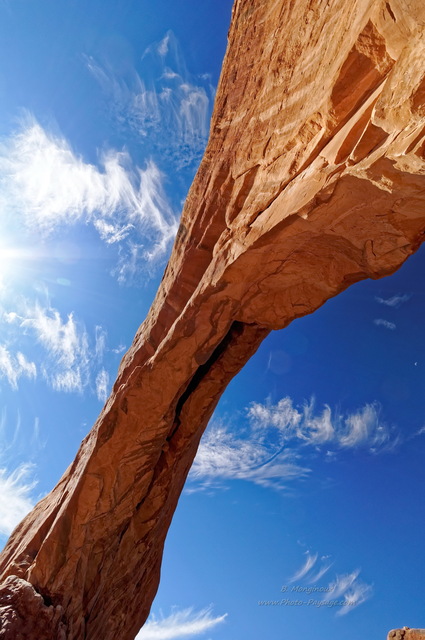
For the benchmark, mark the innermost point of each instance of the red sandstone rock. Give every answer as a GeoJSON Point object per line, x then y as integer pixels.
{"type": "Point", "coordinates": [406, 634]}
{"type": "Point", "coordinates": [313, 179]}
{"type": "Point", "coordinates": [24, 615]}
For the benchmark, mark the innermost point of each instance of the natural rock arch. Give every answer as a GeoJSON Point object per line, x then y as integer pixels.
{"type": "Point", "coordinates": [313, 179]}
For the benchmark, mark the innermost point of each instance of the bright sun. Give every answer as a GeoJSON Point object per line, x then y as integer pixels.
{"type": "Point", "coordinates": [15, 260]}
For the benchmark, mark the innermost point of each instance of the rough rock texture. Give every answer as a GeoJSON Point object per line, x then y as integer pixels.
{"type": "Point", "coordinates": [406, 634]}
{"type": "Point", "coordinates": [314, 178]}
{"type": "Point", "coordinates": [24, 613]}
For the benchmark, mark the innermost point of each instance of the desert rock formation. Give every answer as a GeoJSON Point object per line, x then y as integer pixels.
{"type": "Point", "coordinates": [313, 179]}
{"type": "Point", "coordinates": [406, 634]}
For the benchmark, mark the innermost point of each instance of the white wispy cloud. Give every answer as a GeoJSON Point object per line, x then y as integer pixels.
{"type": "Point", "coordinates": [100, 341]}
{"type": "Point", "coordinates": [180, 624]}
{"type": "Point", "coordinates": [50, 185]}
{"type": "Point", "coordinates": [380, 322]}
{"type": "Point", "coordinates": [356, 595]}
{"type": "Point", "coordinates": [163, 46]}
{"type": "Point", "coordinates": [15, 496]}
{"type": "Point", "coordinates": [341, 584]}
{"type": "Point", "coordinates": [163, 104]}
{"type": "Point", "coordinates": [102, 384]}
{"type": "Point", "coordinates": [419, 432]}
{"type": "Point", "coordinates": [313, 568]}
{"type": "Point", "coordinates": [119, 349]}
{"type": "Point", "coordinates": [269, 449]}
{"type": "Point", "coordinates": [320, 572]}
{"type": "Point", "coordinates": [362, 428]}
{"type": "Point", "coordinates": [394, 301]}
{"type": "Point", "coordinates": [309, 563]}
{"type": "Point", "coordinates": [17, 478]}
{"type": "Point", "coordinates": [17, 442]}
{"type": "Point", "coordinates": [67, 357]}
{"type": "Point", "coordinates": [15, 366]}
{"type": "Point", "coordinates": [346, 588]}
{"type": "Point", "coordinates": [112, 233]}
{"type": "Point", "coordinates": [66, 344]}
{"type": "Point", "coordinates": [282, 416]}
{"type": "Point", "coordinates": [223, 456]}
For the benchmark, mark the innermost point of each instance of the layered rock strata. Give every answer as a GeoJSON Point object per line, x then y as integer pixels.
{"type": "Point", "coordinates": [313, 179]}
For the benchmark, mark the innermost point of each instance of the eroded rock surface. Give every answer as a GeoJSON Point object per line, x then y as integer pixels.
{"type": "Point", "coordinates": [24, 614]}
{"type": "Point", "coordinates": [313, 179]}
{"type": "Point", "coordinates": [406, 634]}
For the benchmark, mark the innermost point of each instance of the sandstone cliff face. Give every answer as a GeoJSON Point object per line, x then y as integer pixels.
{"type": "Point", "coordinates": [313, 178]}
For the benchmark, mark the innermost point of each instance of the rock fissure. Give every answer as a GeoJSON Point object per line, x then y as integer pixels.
{"type": "Point", "coordinates": [202, 372]}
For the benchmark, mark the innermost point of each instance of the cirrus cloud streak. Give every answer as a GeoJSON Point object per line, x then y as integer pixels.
{"type": "Point", "coordinates": [180, 624]}
{"type": "Point", "coordinates": [272, 447]}
{"type": "Point", "coordinates": [50, 185]}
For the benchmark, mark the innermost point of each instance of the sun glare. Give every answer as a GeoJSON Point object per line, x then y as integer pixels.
{"type": "Point", "coordinates": [16, 261]}
{"type": "Point", "coordinates": [9, 255]}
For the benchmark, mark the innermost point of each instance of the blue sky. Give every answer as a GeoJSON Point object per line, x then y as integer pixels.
{"type": "Point", "coordinates": [308, 483]}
